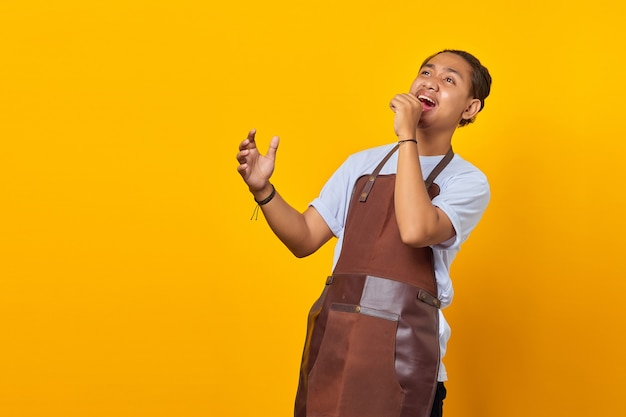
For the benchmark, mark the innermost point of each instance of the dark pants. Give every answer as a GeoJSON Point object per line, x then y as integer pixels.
{"type": "Point", "coordinates": [440, 395]}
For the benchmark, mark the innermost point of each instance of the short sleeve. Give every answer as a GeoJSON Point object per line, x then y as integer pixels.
{"type": "Point", "coordinates": [464, 198]}
{"type": "Point", "coordinates": [332, 203]}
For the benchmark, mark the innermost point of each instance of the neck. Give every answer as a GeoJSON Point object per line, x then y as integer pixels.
{"type": "Point", "coordinates": [434, 143]}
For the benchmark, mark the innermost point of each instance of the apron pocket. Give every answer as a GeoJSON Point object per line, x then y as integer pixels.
{"type": "Point", "coordinates": [354, 374]}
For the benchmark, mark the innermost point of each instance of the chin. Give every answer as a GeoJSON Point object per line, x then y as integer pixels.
{"type": "Point", "coordinates": [423, 124]}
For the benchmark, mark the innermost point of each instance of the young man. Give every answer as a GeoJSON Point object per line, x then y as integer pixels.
{"type": "Point", "coordinates": [400, 212]}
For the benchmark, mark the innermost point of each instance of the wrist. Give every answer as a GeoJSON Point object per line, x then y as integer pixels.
{"type": "Point", "coordinates": [406, 135]}
{"type": "Point", "coordinates": [263, 192]}
{"type": "Point", "coordinates": [261, 201]}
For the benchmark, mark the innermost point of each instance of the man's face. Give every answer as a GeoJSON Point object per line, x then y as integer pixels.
{"type": "Point", "coordinates": [443, 85]}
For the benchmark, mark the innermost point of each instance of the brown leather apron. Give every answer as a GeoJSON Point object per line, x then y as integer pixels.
{"type": "Point", "coordinates": [372, 346]}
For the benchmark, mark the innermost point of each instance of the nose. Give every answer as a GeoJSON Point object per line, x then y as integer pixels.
{"type": "Point", "coordinates": [430, 83]}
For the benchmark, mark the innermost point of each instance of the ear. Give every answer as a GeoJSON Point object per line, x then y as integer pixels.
{"type": "Point", "coordinates": [472, 109]}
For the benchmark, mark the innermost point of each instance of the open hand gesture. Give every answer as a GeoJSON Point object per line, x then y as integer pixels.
{"type": "Point", "coordinates": [254, 168]}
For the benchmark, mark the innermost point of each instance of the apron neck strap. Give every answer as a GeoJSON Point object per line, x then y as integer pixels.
{"type": "Point", "coordinates": [440, 167]}
{"type": "Point", "coordinates": [431, 178]}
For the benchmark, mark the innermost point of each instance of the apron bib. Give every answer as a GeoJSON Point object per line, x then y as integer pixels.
{"type": "Point", "coordinates": [372, 345]}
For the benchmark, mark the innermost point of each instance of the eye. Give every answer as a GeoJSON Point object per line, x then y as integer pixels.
{"type": "Point", "coordinates": [425, 72]}
{"type": "Point", "coordinates": [449, 80]}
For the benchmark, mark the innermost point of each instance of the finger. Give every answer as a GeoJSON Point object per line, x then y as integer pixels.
{"type": "Point", "coordinates": [406, 98]}
{"type": "Point", "coordinates": [404, 101]}
{"type": "Point", "coordinates": [394, 103]}
{"type": "Point", "coordinates": [411, 98]}
{"type": "Point", "coordinates": [271, 151]}
{"type": "Point", "coordinates": [399, 98]}
{"type": "Point", "coordinates": [249, 142]}
{"type": "Point", "coordinates": [242, 156]}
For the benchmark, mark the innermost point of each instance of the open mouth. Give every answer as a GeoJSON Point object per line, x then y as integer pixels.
{"type": "Point", "coordinates": [427, 102]}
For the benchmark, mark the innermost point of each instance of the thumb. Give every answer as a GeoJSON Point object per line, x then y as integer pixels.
{"type": "Point", "coordinates": [271, 151]}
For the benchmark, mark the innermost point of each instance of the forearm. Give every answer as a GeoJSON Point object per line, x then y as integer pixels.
{"type": "Point", "coordinates": [418, 220]}
{"type": "Point", "coordinates": [301, 233]}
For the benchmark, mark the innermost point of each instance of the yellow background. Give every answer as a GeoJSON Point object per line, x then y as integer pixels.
{"type": "Point", "coordinates": [132, 282]}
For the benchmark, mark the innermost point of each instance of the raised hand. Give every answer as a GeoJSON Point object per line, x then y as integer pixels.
{"type": "Point", "coordinates": [254, 168]}
{"type": "Point", "coordinates": [408, 110]}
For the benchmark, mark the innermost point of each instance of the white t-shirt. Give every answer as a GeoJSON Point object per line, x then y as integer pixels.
{"type": "Point", "coordinates": [464, 195]}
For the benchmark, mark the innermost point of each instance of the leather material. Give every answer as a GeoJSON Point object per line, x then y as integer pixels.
{"type": "Point", "coordinates": [372, 346]}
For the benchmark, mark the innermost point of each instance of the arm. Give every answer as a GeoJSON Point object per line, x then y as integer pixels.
{"type": "Point", "coordinates": [420, 222]}
{"type": "Point", "coordinates": [302, 233]}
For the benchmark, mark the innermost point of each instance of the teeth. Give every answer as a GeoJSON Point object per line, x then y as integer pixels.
{"type": "Point", "coordinates": [424, 98]}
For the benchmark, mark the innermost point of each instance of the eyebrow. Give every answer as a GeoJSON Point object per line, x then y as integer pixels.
{"type": "Point", "coordinates": [445, 69]}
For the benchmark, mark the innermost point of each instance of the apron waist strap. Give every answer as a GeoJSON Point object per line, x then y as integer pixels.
{"type": "Point", "coordinates": [383, 293]}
